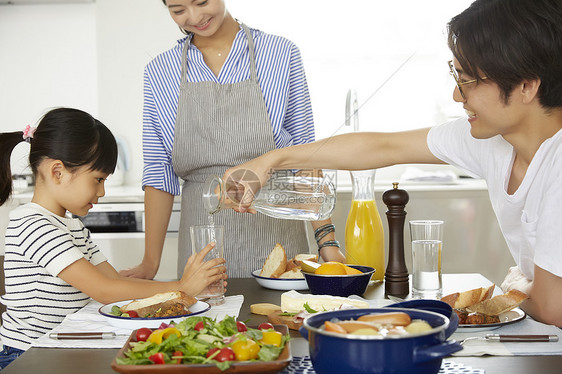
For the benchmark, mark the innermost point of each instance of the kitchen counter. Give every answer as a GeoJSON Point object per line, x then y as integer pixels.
{"type": "Point", "coordinates": [95, 361]}
{"type": "Point", "coordinates": [135, 194]}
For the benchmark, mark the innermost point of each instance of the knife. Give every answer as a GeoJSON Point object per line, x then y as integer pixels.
{"type": "Point", "coordinates": [84, 335]}
{"type": "Point", "coordinates": [512, 338]}
{"type": "Point", "coordinates": [521, 338]}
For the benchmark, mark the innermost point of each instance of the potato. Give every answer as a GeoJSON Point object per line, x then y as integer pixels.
{"type": "Point", "coordinates": [365, 331]}
{"type": "Point", "coordinates": [418, 326]}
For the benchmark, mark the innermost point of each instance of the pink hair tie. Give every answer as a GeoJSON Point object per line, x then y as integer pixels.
{"type": "Point", "coordinates": [28, 133]}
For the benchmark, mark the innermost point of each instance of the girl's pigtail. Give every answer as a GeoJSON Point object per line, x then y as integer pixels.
{"type": "Point", "coordinates": [8, 142]}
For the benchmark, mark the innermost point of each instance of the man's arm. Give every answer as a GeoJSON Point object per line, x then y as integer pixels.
{"type": "Point", "coordinates": [544, 303]}
{"type": "Point", "coordinates": [356, 151]}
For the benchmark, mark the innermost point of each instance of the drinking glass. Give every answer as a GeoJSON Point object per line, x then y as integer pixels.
{"type": "Point", "coordinates": [200, 237]}
{"type": "Point", "coordinates": [427, 242]}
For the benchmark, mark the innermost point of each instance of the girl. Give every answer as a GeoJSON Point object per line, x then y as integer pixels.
{"type": "Point", "coordinates": [51, 266]}
{"type": "Point", "coordinates": [222, 95]}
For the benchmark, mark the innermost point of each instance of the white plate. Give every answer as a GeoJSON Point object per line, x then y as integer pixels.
{"type": "Point", "coordinates": [506, 318]}
{"type": "Point", "coordinates": [136, 323]}
{"type": "Point", "coordinates": [282, 284]}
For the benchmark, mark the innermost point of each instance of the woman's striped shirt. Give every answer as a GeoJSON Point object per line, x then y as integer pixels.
{"type": "Point", "coordinates": [39, 245]}
{"type": "Point", "coordinates": [281, 78]}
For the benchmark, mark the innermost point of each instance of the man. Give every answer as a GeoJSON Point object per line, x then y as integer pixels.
{"type": "Point", "coordinates": [508, 68]}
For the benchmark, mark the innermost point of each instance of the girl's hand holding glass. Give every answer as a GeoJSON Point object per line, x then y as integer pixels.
{"type": "Point", "coordinates": [199, 274]}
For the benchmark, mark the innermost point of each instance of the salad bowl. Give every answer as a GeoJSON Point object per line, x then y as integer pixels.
{"type": "Point", "coordinates": [282, 361]}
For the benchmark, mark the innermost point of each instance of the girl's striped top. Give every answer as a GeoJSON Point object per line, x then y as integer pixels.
{"type": "Point", "coordinates": [39, 245]}
{"type": "Point", "coordinates": [281, 78]}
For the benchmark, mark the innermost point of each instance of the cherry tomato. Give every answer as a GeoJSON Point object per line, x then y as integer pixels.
{"type": "Point", "coordinates": [199, 326]}
{"type": "Point", "coordinates": [212, 350]}
{"type": "Point", "coordinates": [130, 314]}
{"type": "Point", "coordinates": [265, 326]}
{"type": "Point", "coordinates": [272, 337]}
{"type": "Point", "coordinates": [241, 326]}
{"type": "Point", "coordinates": [143, 334]}
{"type": "Point", "coordinates": [178, 354]}
{"type": "Point", "coordinates": [245, 349]}
{"type": "Point", "coordinates": [224, 354]}
{"type": "Point", "coordinates": [157, 358]}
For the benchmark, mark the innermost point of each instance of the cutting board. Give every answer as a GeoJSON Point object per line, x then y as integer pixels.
{"type": "Point", "coordinates": [276, 319]}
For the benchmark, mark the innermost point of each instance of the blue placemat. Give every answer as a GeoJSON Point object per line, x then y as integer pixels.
{"type": "Point", "coordinates": [303, 365]}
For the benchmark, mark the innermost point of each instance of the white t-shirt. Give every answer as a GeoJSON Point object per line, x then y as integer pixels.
{"type": "Point", "coordinates": [531, 218]}
{"type": "Point", "coordinates": [39, 245]}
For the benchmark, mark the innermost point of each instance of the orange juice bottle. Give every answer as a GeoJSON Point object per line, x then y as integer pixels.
{"type": "Point", "coordinates": [364, 236]}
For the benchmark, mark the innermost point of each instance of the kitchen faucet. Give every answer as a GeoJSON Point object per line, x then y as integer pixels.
{"type": "Point", "coordinates": [351, 104]}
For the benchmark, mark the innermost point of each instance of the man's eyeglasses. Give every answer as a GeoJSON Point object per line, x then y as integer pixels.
{"type": "Point", "coordinates": [460, 82]}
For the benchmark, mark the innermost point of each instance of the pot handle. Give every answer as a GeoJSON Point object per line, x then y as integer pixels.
{"type": "Point", "coordinates": [304, 332]}
{"type": "Point", "coordinates": [436, 351]}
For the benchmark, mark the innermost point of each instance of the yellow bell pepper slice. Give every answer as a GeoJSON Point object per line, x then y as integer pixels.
{"type": "Point", "coordinates": [158, 336]}
{"type": "Point", "coordinates": [272, 337]}
{"type": "Point", "coordinates": [245, 349]}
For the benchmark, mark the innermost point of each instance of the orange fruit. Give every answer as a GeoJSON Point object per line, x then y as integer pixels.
{"type": "Point", "coordinates": [331, 268]}
{"type": "Point", "coordinates": [349, 270]}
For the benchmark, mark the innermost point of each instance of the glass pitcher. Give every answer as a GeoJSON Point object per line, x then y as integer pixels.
{"type": "Point", "coordinates": [282, 196]}
{"type": "Point", "coordinates": [364, 236]}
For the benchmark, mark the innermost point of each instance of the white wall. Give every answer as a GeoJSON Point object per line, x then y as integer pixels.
{"type": "Point", "coordinates": [92, 56]}
{"type": "Point", "coordinates": [47, 59]}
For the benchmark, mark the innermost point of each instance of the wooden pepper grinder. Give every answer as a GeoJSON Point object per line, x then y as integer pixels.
{"type": "Point", "coordinates": [396, 276]}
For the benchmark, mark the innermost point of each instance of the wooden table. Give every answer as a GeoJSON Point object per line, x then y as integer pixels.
{"type": "Point", "coordinates": [97, 361]}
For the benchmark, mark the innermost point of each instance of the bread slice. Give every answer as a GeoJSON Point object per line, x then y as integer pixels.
{"type": "Point", "coordinates": [275, 263]}
{"type": "Point", "coordinates": [296, 261]}
{"type": "Point", "coordinates": [461, 300]}
{"type": "Point", "coordinates": [499, 304]}
{"type": "Point", "coordinates": [295, 273]}
{"type": "Point", "coordinates": [158, 304]}
{"type": "Point", "coordinates": [292, 264]}
{"type": "Point", "coordinates": [306, 256]}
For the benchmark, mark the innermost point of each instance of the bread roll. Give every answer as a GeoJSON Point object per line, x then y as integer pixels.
{"type": "Point", "coordinates": [275, 263]}
{"type": "Point", "coordinates": [461, 300]}
{"type": "Point", "coordinates": [499, 304]}
{"type": "Point", "coordinates": [160, 303]}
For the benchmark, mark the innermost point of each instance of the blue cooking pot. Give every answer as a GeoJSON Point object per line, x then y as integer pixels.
{"type": "Point", "coordinates": [344, 353]}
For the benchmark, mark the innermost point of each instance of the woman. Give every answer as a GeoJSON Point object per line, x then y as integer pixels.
{"type": "Point", "coordinates": [224, 95]}
{"type": "Point", "coordinates": [508, 68]}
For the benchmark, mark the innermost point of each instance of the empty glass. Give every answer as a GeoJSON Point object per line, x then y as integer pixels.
{"type": "Point", "coordinates": [200, 237]}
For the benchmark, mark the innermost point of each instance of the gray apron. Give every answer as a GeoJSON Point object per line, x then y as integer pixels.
{"type": "Point", "coordinates": [219, 126]}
